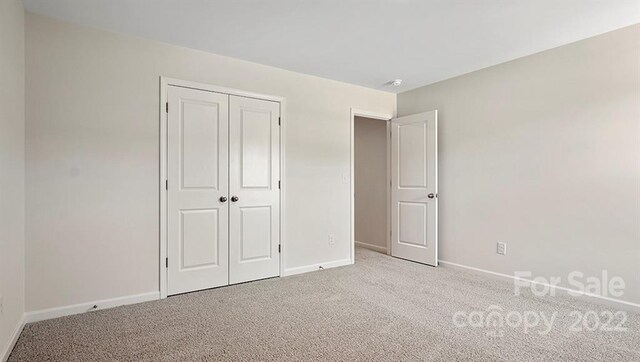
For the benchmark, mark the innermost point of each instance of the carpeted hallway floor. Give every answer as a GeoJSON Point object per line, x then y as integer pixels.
{"type": "Point", "coordinates": [379, 309]}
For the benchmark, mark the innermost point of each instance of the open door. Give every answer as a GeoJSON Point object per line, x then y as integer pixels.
{"type": "Point", "coordinates": [414, 187]}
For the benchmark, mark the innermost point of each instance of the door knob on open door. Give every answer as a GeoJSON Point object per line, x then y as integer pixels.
{"type": "Point", "coordinates": [431, 196]}
{"type": "Point", "coordinates": [234, 198]}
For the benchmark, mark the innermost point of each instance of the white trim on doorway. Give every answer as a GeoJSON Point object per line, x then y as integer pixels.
{"type": "Point", "coordinates": [383, 117]}
{"type": "Point", "coordinates": [165, 82]}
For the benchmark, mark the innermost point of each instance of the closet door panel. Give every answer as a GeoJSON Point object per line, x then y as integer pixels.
{"type": "Point", "coordinates": [197, 170]}
{"type": "Point", "coordinates": [254, 169]}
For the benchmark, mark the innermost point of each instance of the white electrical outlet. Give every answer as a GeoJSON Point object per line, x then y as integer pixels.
{"type": "Point", "coordinates": [502, 248]}
{"type": "Point", "coordinates": [332, 239]}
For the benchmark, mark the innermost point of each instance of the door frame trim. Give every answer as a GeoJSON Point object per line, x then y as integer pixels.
{"type": "Point", "coordinates": [165, 82]}
{"type": "Point", "coordinates": [352, 200]}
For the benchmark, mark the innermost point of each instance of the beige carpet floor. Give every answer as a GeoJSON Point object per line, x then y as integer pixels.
{"type": "Point", "coordinates": [379, 309]}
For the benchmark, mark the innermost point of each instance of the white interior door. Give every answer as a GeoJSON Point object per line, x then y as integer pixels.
{"type": "Point", "coordinates": [414, 187]}
{"type": "Point", "coordinates": [197, 176]}
{"type": "Point", "coordinates": [254, 156]}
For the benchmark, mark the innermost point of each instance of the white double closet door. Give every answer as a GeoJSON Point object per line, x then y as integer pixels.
{"type": "Point", "coordinates": [223, 197]}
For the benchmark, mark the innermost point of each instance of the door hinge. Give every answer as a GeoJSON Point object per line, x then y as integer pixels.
{"type": "Point", "coordinates": [279, 248]}
{"type": "Point", "coordinates": [279, 120]}
{"type": "Point", "coordinates": [166, 184]}
{"type": "Point", "coordinates": [166, 107]}
{"type": "Point", "coordinates": [166, 262]}
{"type": "Point", "coordinates": [278, 183]}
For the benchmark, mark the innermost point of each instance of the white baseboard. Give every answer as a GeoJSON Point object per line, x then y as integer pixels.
{"type": "Point", "coordinates": [12, 341]}
{"type": "Point", "coordinates": [40, 315]}
{"type": "Point", "coordinates": [630, 306]}
{"type": "Point", "coordinates": [381, 249]}
{"type": "Point", "coordinates": [315, 267]}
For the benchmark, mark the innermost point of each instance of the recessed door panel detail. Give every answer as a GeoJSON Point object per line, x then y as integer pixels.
{"type": "Point", "coordinates": [255, 233]}
{"type": "Point", "coordinates": [255, 148]}
{"type": "Point", "coordinates": [412, 221]}
{"type": "Point", "coordinates": [199, 130]}
{"type": "Point", "coordinates": [413, 156]}
{"type": "Point", "coordinates": [199, 238]}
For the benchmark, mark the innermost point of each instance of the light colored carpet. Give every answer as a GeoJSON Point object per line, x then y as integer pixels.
{"type": "Point", "coordinates": [379, 309]}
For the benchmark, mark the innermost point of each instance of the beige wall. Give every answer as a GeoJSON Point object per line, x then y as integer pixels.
{"type": "Point", "coordinates": [543, 153]}
{"type": "Point", "coordinates": [370, 152]}
{"type": "Point", "coordinates": [11, 169]}
{"type": "Point", "coordinates": [92, 155]}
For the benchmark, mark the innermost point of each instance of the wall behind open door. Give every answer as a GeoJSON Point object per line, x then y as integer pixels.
{"type": "Point", "coordinates": [371, 182]}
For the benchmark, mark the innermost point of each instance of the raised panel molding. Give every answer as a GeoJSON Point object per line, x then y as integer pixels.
{"type": "Point", "coordinates": [199, 156]}
{"type": "Point", "coordinates": [255, 148]}
{"type": "Point", "coordinates": [199, 249]}
{"type": "Point", "coordinates": [412, 221]}
{"type": "Point", "coordinates": [412, 170]}
{"type": "Point", "coordinates": [255, 241]}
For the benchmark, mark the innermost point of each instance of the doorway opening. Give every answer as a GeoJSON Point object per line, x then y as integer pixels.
{"type": "Point", "coordinates": [400, 183]}
{"type": "Point", "coordinates": [370, 181]}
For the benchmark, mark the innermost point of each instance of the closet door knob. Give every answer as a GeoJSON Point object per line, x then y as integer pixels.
{"type": "Point", "coordinates": [234, 198]}
{"type": "Point", "coordinates": [223, 199]}
{"type": "Point", "coordinates": [431, 196]}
